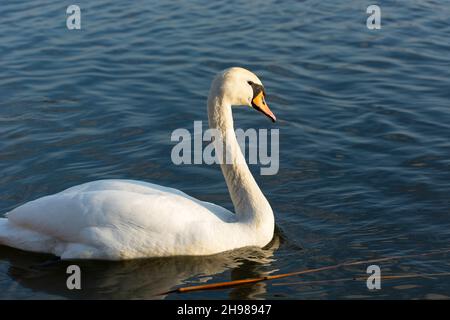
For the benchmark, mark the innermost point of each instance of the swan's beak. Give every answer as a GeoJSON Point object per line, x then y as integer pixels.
{"type": "Point", "coordinates": [259, 103]}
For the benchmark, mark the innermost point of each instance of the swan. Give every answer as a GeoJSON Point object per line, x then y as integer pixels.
{"type": "Point", "coordinates": [118, 219]}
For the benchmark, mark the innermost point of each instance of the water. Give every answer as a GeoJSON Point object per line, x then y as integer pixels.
{"type": "Point", "coordinates": [364, 119]}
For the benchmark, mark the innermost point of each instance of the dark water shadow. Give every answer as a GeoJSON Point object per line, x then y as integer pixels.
{"type": "Point", "coordinates": [138, 279]}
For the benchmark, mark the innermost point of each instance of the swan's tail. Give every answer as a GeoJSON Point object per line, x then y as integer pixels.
{"type": "Point", "coordinates": [3, 229]}
{"type": "Point", "coordinates": [12, 235]}
{"type": "Point", "coordinates": [5, 232]}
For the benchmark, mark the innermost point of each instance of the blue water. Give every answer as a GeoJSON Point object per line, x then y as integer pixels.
{"type": "Point", "coordinates": [364, 120]}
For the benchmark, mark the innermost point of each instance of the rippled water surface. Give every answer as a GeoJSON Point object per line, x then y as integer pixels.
{"type": "Point", "coordinates": [364, 119]}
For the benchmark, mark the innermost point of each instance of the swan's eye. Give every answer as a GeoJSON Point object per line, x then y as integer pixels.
{"type": "Point", "coordinates": [250, 83]}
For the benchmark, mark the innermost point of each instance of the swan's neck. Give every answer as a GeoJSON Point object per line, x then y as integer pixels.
{"type": "Point", "coordinates": [249, 202]}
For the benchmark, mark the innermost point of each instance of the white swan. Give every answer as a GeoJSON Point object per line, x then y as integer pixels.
{"type": "Point", "coordinates": [126, 219]}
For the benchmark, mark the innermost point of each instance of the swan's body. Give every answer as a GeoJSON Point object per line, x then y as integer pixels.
{"type": "Point", "coordinates": [125, 219]}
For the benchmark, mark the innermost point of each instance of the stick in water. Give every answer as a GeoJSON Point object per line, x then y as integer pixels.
{"type": "Point", "coordinates": [228, 284]}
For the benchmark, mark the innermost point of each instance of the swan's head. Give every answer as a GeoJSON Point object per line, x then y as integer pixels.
{"type": "Point", "coordinates": [241, 87]}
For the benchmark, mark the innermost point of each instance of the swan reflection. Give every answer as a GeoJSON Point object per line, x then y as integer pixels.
{"type": "Point", "coordinates": [136, 279]}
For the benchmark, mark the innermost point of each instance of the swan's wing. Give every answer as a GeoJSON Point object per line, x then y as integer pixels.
{"type": "Point", "coordinates": [146, 188]}
{"type": "Point", "coordinates": [118, 218]}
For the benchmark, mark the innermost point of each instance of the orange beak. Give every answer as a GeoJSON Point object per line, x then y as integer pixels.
{"type": "Point", "coordinates": [259, 103]}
